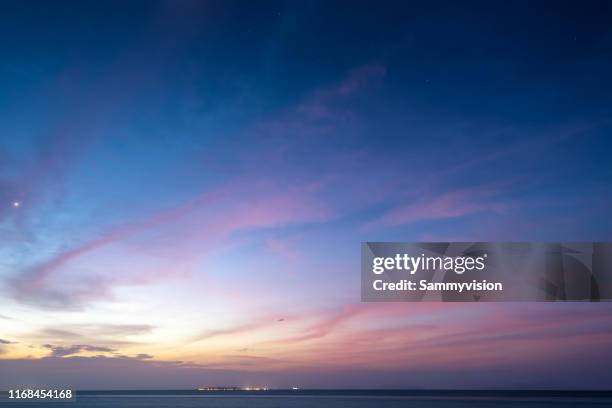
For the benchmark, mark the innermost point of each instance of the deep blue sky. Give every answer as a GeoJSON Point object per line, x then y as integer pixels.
{"type": "Point", "coordinates": [154, 154]}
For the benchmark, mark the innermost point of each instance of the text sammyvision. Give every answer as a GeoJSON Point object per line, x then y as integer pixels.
{"type": "Point", "coordinates": [486, 271]}
{"type": "Point", "coordinates": [412, 265]}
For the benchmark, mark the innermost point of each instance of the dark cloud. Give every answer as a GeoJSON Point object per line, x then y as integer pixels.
{"type": "Point", "coordinates": [4, 342]}
{"type": "Point", "coordinates": [68, 351]}
{"type": "Point", "coordinates": [62, 351]}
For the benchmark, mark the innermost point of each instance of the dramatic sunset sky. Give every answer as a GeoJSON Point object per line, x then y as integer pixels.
{"type": "Point", "coordinates": [184, 188]}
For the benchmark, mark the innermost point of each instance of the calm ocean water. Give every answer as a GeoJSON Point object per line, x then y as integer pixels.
{"type": "Point", "coordinates": [325, 399]}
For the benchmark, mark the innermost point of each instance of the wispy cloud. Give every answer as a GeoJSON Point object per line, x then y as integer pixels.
{"type": "Point", "coordinates": [238, 204]}
{"type": "Point", "coordinates": [115, 336]}
{"type": "Point", "coordinates": [444, 205]}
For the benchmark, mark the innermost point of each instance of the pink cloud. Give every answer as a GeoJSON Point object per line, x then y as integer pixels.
{"type": "Point", "coordinates": [434, 337]}
{"type": "Point", "coordinates": [245, 209]}
{"type": "Point", "coordinates": [205, 221]}
{"type": "Point", "coordinates": [319, 104]}
{"type": "Point", "coordinates": [453, 204]}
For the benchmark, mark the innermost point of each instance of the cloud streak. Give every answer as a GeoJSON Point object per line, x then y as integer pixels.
{"type": "Point", "coordinates": [62, 351]}
{"type": "Point", "coordinates": [451, 204]}
{"type": "Point", "coordinates": [274, 206]}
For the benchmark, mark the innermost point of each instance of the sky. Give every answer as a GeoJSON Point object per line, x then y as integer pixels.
{"type": "Point", "coordinates": [184, 187]}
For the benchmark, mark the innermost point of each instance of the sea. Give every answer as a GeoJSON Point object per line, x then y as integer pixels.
{"type": "Point", "coordinates": [325, 399]}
